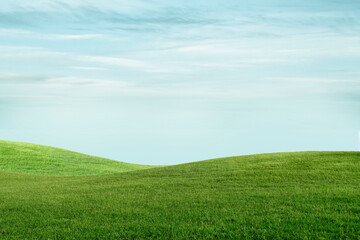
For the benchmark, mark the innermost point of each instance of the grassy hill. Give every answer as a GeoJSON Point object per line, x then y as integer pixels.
{"type": "Point", "coordinates": [305, 195]}
{"type": "Point", "coordinates": [37, 159]}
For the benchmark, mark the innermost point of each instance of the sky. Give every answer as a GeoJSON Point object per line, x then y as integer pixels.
{"type": "Point", "coordinates": [169, 82]}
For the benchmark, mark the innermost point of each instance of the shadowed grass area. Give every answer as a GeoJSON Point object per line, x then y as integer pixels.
{"type": "Point", "coordinates": [305, 195]}
{"type": "Point", "coordinates": [37, 159]}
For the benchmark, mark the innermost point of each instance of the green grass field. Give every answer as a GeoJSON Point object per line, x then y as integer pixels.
{"type": "Point", "coordinates": [305, 195]}
{"type": "Point", "coordinates": [37, 159]}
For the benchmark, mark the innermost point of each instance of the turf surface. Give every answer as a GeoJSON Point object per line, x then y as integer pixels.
{"type": "Point", "coordinates": [306, 195]}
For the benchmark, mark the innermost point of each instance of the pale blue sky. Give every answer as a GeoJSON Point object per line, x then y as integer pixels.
{"type": "Point", "coordinates": [166, 82]}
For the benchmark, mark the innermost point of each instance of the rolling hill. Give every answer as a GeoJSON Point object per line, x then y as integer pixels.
{"type": "Point", "coordinates": [37, 159]}
{"type": "Point", "coordinates": [303, 195]}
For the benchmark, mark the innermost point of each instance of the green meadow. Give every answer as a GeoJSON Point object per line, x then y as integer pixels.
{"type": "Point", "coordinates": [43, 160]}
{"type": "Point", "coordinates": [51, 193]}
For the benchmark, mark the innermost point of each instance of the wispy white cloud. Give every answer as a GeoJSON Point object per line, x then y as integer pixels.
{"type": "Point", "coordinates": [48, 36]}
{"type": "Point", "coordinates": [71, 36]}
{"type": "Point", "coordinates": [89, 68]}
{"type": "Point", "coordinates": [17, 48]}
{"type": "Point", "coordinates": [84, 81]}
{"type": "Point", "coordinates": [124, 62]}
{"type": "Point", "coordinates": [12, 78]}
{"type": "Point", "coordinates": [127, 63]}
{"type": "Point", "coordinates": [314, 80]}
{"type": "Point", "coordinates": [13, 32]}
{"type": "Point", "coordinates": [75, 59]}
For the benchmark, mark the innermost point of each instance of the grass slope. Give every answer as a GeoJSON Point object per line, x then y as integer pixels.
{"type": "Point", "coordinates": [37, 159]}
{"type": "Point", "coordinates": [306, 195]}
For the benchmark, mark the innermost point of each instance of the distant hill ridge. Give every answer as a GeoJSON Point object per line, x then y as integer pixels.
{"type": "Point", "coordinates": [44, 160]}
